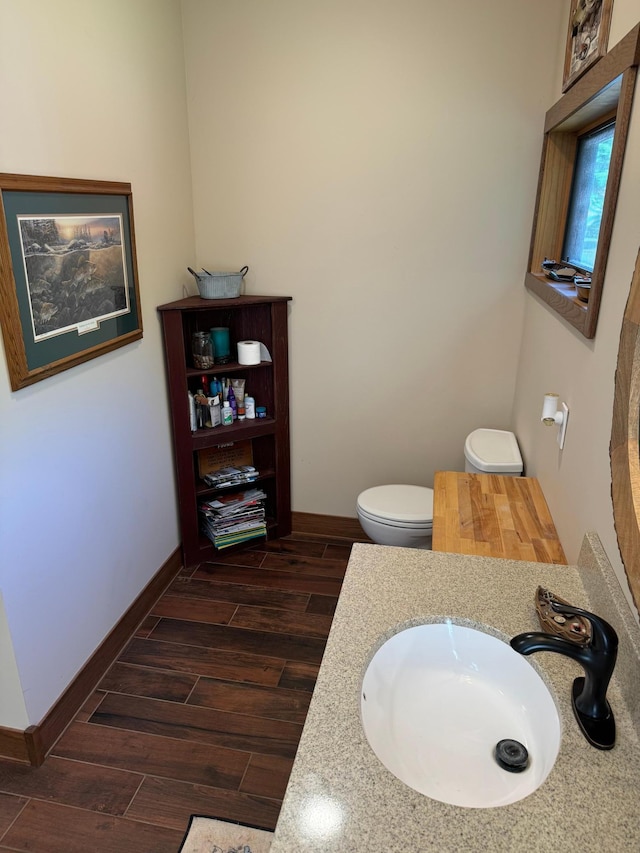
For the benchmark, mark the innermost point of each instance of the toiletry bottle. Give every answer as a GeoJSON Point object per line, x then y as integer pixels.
{"type": "Point", "coordinates": [193, 420]}
{"type": "Point", "coordinates": [232, 403]}
{"type": "Point", "coordinates": [238, 386]}
{"type": "Point", "coordinates": [199, 413]}
{"type": "Point", "coordinates": [249, 407]}
{"type": "Point", "coordinates": [227, 414]}
{"type": "Point", "coordinates": [205, 384]}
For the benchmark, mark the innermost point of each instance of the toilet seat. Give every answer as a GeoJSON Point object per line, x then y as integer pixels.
{"type": "Point", "coordinates": [410, 507]}
{"type": "Point", "coordinates": [420, 526]}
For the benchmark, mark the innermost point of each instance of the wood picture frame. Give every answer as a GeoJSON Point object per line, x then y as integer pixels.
{"type": "Point", "coordinates": [68, 273]}
{"type": "Point", "coordinates": [587, 37]}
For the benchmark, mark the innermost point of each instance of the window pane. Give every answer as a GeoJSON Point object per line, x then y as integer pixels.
{"type": "Point", "coordinates": [587, 197]}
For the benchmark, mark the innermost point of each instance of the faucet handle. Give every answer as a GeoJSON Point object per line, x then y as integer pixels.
{"type": "Point", "coordinates": [603, 636]}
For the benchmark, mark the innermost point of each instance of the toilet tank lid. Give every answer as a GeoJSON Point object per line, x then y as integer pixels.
{"type": "Point", "coordinates": [493, 451]}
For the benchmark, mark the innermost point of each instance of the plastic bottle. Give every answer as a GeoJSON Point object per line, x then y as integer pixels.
{"type": "Point", "coordinates": [227, 414]}
{"type": "Point", "coordinates": [250, 407]}
{"type": "Point", "coordinates": [232, 403]}
{"type": "Point", "coordinates": [200, 414]}
{"type": "Point", "coordinates": [193, 420]}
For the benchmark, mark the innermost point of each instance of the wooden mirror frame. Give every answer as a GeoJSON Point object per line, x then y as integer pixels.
{"type": "Point", "coordinates": [624, 449]}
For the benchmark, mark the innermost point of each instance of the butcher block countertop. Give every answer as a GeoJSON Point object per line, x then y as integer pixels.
{"type": "Point", "coordinates": [489, 515]}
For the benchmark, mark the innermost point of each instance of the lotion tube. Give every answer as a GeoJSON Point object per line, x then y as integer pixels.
{"type": "Point", "coordinates": [238, 390]}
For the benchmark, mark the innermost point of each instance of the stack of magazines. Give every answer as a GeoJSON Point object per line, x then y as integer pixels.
{"type": "Point", "coordinates": [224, 477]}
{"type": "Point", "coordinates": [230, 519]}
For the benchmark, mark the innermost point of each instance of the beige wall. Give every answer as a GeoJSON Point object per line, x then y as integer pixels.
{"type": "Point", "coordinates": [373, 159]}
{"type": "Point", "coordinates": [554, 357]}
{"type": "Point", "coordinates": [378, 162]}
{"type": "Point", "coordinates": [87, 500]}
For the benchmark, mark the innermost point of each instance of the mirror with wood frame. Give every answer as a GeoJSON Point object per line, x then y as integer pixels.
{"type": "Point", "coordinates": [625, 447]}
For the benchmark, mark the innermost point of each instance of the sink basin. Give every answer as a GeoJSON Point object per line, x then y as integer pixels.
{"type": "Point", "coordinates": [436, 700]}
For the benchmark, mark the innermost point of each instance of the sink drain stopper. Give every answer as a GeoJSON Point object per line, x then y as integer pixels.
{"type": "Point", "coordinates": [511, 755]}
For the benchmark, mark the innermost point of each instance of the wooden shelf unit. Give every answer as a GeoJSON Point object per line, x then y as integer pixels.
{"type": "Point", "coordinates": [260, 318]}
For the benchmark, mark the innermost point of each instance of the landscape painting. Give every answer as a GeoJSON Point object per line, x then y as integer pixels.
{"type": "Point", "coordinates": [69, 287]}
{"type": "Point", "coordinates": [75, 271]}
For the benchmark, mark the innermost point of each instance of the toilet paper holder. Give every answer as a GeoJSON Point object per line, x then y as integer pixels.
{"type": "Point", "coordinates": [552, 415]}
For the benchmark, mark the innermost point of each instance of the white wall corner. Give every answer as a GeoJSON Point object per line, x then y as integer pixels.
{"type": "Point", "coordinates": [13, 711]}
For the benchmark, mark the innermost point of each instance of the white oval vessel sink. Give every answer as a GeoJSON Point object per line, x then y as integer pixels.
{"type": "Point", "coordinates": [435, 701]}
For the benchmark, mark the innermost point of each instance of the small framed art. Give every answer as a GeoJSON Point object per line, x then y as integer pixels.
{"type": "Point", "coordinates": [587, 37]}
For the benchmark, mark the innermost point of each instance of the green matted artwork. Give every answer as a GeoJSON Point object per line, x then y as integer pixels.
{"type": "Point", "coordinates": [68, 274]}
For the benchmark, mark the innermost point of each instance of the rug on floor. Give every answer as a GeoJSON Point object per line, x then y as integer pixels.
{"type": "Point", "coordinates": [209, 835]}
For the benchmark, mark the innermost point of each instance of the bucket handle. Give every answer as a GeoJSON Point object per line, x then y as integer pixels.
{"type": "Point", "coordinates": [243, 271]}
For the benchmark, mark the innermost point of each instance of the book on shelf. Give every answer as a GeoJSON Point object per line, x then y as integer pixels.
{"type": "Point", "coordinates": [231, 476]}
{"type": "Point", "coordinates": [225, 505]}
{"type": "Point", "coordinates": [231, 519]}
{"type": "Point", "coordinates": [236, 539]}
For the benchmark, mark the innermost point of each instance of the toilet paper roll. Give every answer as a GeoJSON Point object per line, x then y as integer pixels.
{"type": "Point", "coordinates": [550, 405]}
{"type": "Point", "coordinates": [248, 352]}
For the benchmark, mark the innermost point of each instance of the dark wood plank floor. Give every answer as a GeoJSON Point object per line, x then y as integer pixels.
{"type": "Point", "coordinates": [201, 713]}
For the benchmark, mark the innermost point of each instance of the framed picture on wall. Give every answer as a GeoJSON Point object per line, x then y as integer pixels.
{"type": "Point", "coordinates": [68, 275]}
{"type": "Point", "coordinates": [587, 37]}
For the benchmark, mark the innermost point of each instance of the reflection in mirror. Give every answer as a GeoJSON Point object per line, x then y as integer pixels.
{"type": "Point", "coordinates": [624, 448]}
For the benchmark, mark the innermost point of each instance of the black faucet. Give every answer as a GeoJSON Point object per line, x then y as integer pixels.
{"type": "Point", "coordinates": [598, 658]}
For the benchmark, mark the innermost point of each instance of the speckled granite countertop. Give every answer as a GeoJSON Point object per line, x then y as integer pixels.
{"type": "Point", "coordinates": [340, 797]}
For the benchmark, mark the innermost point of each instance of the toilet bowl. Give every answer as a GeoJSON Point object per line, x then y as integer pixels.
{"type": "Point", "coordinates": [397, 515]}
{"type": "Point", "coordinates": [403, 515]}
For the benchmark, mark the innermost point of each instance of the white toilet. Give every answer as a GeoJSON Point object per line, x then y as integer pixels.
{"type": "Point", "coordinates": [403, 515]}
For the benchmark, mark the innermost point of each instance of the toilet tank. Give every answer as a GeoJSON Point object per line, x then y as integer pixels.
{"type": "Point", "coordinates": [492, 451]}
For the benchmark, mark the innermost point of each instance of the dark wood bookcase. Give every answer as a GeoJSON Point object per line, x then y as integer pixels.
{"type": "Point", "coordinates": [259, 318]}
